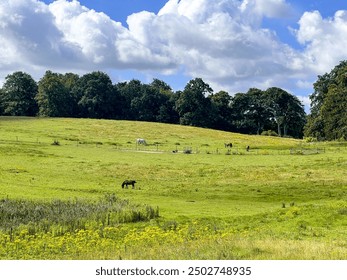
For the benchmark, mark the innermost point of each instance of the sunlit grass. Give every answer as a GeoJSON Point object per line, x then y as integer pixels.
{"type": "Point", "coordinates": [267, 203]}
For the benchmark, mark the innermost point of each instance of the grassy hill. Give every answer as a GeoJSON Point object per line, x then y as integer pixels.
{"type": "Point", "coordinates": [214, 202]}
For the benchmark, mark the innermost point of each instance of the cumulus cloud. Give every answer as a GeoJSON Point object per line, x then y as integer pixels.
{"type": "Point", "coordinates": [268, 8]}
{"type": "Point", "coordinates": [325, 40]}
{"type": "Point", "coordinates": [26, 30]}
{"type": "Point", "coordinates": [66, 35]}
{"type": "Point", "coordinates": [222, 41]}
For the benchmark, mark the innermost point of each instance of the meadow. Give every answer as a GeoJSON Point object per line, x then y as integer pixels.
{"type": "Point", "coordinates": [61, 194]}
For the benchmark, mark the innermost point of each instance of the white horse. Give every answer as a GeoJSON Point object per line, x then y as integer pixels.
{"type": "Point", "coordinates": [141, 141]}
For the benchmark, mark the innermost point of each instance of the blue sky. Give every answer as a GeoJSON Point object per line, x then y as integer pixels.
{"type": "Point", "coordinates": [232, 44]}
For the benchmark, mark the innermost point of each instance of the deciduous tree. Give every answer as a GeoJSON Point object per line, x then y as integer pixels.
{"type": "Point", "coordinates": [287, 111]}
{"type": "Point", "coordinates": [97, 96]}
{"type": "Point", "coordinates": [193, 107]}
{"type": "Point", "coordinates": [222, 102]}
{"type": "Point", "coordinates": [328, 118]}
{"type": "Point", "coordinates": [17, 97]}
{"type": "Point", "coordinates": [54, 96]}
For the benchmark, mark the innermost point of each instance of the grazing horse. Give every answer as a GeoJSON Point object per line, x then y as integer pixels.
{"type": "Point", "coordinates": [141, 141]}
{"type": "Point", "coordinates": [126, 183]}
{"type": "Point", "coordinates": [228, 145]}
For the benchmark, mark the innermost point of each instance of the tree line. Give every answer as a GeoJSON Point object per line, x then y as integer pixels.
{"type": "Point", "coordinates": [93, 95]}
{"type": "Point", "coordinates": [328, 118]}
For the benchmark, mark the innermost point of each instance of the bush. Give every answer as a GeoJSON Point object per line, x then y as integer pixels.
{"type": "Point", "coordinates": [310, 139]}
{"type": "Point", "coordinates": [187, 150]}
{"type": "Point", "coordinates": [56, 143]}
{"type": "Point", "coordinates": [269, 133]}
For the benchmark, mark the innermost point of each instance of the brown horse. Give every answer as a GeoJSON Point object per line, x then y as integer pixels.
{"type": "Point", "coordinates": [126, 183]}
{"type": "Point", "coordinates": [228, 145]}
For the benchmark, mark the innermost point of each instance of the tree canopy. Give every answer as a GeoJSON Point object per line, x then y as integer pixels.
{"type": "Point", "coordinates": [94, 96]}
{"type": "Point", "coordinates": [193, 106]}
{"type": "Point", "coordinates": [54, 96]}
{"type": "Point", "coordinates": [286, 110]}
{"type": "Point", "coordinates": [328, 118]}
{"type": "Point", "coordinates": [17, 95]}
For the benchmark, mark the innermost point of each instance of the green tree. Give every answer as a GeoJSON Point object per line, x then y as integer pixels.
{"type": "Point", "coordinates": [315, 126]}
{"type": "Point", "coordinates": [221, 102]}
{"type": "Point", "coordinates": [17, 96]}
{"type": "Point", "coordinates": [70, 81]}
{"type": "Point", "coordinates": [161, 86]}
{"type": "Point", "coordinates": [250, 112]}
{"type": "Point", "coordinates": [193, 107]}
{"type": "Point", "coordinates": [148, 104]}
{"type": "Point", "coordinates": [54, 95]}
{"type": "Point", "coordinates": [239, 108]}
{"type": "Point", "coordinates": [130, 91]}
{"type": "Point", "coordinates": [287, 111]}
{"type": "Point", "coordinates": [334, 112]}
{"type": "Point", "coordinates": [166, 112]}
{"type": "Point", "coordinates": [258, 113]}
{"type": "Point", "coordinates": [328, 118]}
{"type": "Point", "coordinates": [96, 96]}
{"type": "Point", "coordinates": [1, 103]}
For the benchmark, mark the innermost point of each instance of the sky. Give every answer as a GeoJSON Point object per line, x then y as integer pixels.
{"type": "Point", "coordinates": [233, 45]}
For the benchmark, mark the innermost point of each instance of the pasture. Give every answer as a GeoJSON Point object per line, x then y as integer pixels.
{"type": "Point", "coordinates": [282, 199]}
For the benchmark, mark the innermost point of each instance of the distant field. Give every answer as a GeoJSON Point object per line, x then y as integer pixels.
{"type": "Point", "coordinates": [282, 199]}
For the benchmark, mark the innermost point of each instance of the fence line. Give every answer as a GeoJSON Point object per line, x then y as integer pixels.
{"type": "Point", "coordinates": [157, 147]}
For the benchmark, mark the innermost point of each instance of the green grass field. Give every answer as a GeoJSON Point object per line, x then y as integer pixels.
{"type": "Point", "coordinates": [283, 199]}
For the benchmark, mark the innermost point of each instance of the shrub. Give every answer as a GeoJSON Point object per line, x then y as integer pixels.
{"type": "Point", "coordinates": [187, 150]}
{"type": "Point", "coordinates": [269, 133]}
{"type": "Point", "coordinates": [56, 143]}
{"type": "Point", "coordinates": [310, 139]}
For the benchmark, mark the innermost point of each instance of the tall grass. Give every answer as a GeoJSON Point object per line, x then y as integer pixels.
{"type": "Point", "coordinates": [71, 215]}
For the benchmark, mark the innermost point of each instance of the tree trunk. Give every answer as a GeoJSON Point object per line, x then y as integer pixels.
{"type": "Point", "coordinates": [279, 129]}
{"type": "Point", "coordinates": [258, 128]}
{"type": "Point", "coordinates": [285, 129]}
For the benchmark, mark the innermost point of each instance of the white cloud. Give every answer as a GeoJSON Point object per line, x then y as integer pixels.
{"type": "Point", "coordinates": [274, 8]}
{"type": "Point", "coordinates": [325, 40]}
{"type": "Point", "coordinates": [221, 41]}
{"type": "Point", "coordinates": [101, 40]}
{"type": "Point", "coordinates": [304, 84]}
{"type": "Point", "coordinates": [65, 35]}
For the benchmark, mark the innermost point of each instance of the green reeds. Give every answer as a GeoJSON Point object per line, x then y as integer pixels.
{"type": "Point", "coordinates": [71, 215]}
